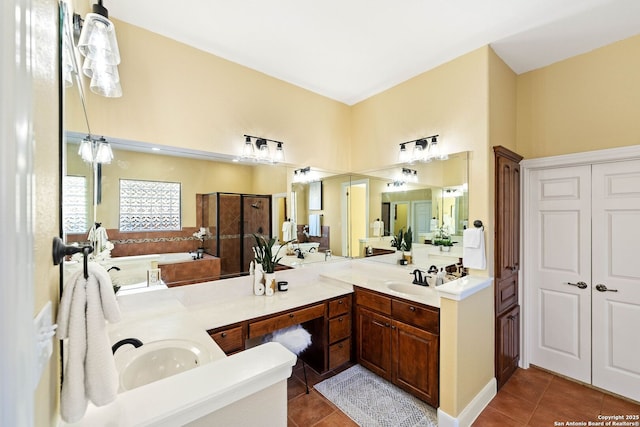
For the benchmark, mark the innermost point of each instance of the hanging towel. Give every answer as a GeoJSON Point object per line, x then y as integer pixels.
{"type": "Point", "coordinates": [90, 371]}
{"type": "Point", "coordinates": [314, 225]}
{"type": "Point", "coordinates": [98, 237]}
{"type": "Point", "coordinates": [287, 234]}
{"type": "Point", "coordinates": [378, 228]}
{"type": "Point", "coordinates": [473, 253]}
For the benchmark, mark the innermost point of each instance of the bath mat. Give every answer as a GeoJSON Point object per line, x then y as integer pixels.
{"type": "Point", "coordinates": [372, 401]}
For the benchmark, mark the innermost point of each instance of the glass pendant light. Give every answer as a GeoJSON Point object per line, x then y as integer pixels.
{"type": "Point", "coordinates": [247, 149]}
{"type": "Point", "coordinates": [104, 154]}
{"type": "Point", "coordinates": [263, 152]}
{"type": "Point", "coordinates": [279, 154]}
{"type": "Point", "coordinates": [85, 151]}
{"type": "Point", "coordinates": [98, 44]}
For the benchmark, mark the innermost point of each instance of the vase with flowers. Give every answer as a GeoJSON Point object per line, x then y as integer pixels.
{"type": "Point", "coordinates": [201, 235]}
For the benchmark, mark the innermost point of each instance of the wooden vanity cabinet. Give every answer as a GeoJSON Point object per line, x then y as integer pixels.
{"type": "Point", "coordinates": [230, 338]}
{"type": "Point", "coordinates": [399, 341]}
{"type": "Point", "coordinates": [374, 341]}
{"type": "Point", "coordinates": [339, 319]}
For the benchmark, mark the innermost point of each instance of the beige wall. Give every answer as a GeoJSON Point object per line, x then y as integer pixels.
{"type": "Point", "coordinates": [467, 352]}
{"type": "Point", "coordinates": [584, 103]}
{"type": "Point", "coordinates": [176, 95]}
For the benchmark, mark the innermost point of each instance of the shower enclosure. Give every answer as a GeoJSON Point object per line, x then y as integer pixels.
{"type": "Point", "coordinates": [233, 219]}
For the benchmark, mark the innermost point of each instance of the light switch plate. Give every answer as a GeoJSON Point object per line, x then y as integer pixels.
{"type": "Point", "coordinates": [44, 331]}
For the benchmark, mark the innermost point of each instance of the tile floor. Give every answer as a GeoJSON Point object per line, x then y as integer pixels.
{"type": "Point", "coordinates": [531, 397]}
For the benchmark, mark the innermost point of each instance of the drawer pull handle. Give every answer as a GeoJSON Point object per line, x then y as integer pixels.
{"type": "Point", "coordinates": [340, 319]}
{"type": "Point", "coordinates": [393, 327]}
{"type": "Point", "coordinates": [340, 302]}
{"type": "Point", "coordinates": [340, 345]}
{"type": "Point", "coordinates": [412, 308]}
{"type": "Point", "coordinates": [290, 314]}
{"type": "Point", "coordinates": [223, 335]}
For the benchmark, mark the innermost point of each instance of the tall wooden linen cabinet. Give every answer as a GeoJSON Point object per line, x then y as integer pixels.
{"type": "Point", "coordinates": [507, 262]}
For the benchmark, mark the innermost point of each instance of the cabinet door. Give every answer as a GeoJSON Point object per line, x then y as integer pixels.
{"type": "Point", "coordinates": [415, 361]}
{"type": "Point", "coordinates": [508, 345]}
{"type": "Point", "coordinates": [374, 342]}
{"type": "Point", "coordinates": [507, 212]}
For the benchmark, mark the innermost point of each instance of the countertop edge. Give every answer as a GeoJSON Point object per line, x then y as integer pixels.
{"type": "Point", "coordinates": [464, 287]}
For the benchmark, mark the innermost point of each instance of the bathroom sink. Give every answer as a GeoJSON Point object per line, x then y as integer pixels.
{"type": "Point", "coordinates": [156, 360]}
{"type": "Point", "coordinates": [404, 288]}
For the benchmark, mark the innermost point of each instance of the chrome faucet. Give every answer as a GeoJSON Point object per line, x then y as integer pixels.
{"type": "Point", "coordinates": [133, 341]}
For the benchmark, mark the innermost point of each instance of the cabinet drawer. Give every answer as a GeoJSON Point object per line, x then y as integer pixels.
{"type": "Point", "coordinates": [506, 293]}
{"type": "Point", "coordinates": [340, 305]}
{"type": "Point", "coordinates": [373, 301]}
{"type": "Point", "coordinates": [339, 328]}
{"type": "Point", "coordinates": [263, 327]}
{"type": "Point", "coordinates": [339, 353]}
{"type": "Point", "coordinates": [415, 314]}
{"type": "Point", "coordinates": [230, 340]}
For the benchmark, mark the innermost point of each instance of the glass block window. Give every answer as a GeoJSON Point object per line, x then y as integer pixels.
{"type": "Point", "coordinates": [75, 206]}
{"type": "Point", "coordinates": [149, 205]}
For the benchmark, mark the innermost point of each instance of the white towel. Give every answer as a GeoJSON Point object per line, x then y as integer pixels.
{"type": "Point", "coordinates": [378, 227]}
{"type": "Point", "coordinates": [98, 237]}
{"type": "Point", "coordinates": [473, 253]}
{"type": "Point", "coordinates": [90, 372]}
{"type": "Point", "coordinates": [314, 225]}
{"type": "Point", "coordinates": [287, 231]}
{"type": "Point", "coordinates": [472, 237]}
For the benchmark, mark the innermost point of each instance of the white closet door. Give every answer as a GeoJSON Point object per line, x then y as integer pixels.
{"type": "Point", "coordinates": [616, 265]}
{"type": "Point", "coordinates": [560, 202]}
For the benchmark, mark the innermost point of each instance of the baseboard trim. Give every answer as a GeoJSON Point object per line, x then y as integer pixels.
{"type": "Point", "coordinates": [472, 410]}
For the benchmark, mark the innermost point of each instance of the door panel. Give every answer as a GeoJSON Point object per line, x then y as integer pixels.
{"type": "Point", "coordinates": [616, 315]}
{"type": "Point", "coordinates": [560, 200]}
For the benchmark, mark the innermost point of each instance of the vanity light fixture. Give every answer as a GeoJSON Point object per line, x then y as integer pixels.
{"type": "Point", "coordinates": [99, 46]}
{"type": "Point", "coordinates": [409, 175]}
{"type": "Point", "coordinates": [304, 175]}
{"type": "Point", "coordinates": [397, 185]}
{"type": "Point", "coordinates": [262, 152]}
{"type": "Point", "coordinates": [95, 150]}
{"type": "Point", "coordinates": [424, 150]}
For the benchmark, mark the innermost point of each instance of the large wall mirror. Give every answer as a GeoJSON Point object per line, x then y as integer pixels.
{"type": "Point", "coordinates": [428, 197]}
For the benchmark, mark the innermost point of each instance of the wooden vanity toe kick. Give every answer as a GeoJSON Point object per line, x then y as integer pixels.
{"type": "Point", "coordinates": [263, 327]}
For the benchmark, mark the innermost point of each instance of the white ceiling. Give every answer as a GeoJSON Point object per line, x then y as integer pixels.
{"type": "Point", "coordinates": [349, 50]}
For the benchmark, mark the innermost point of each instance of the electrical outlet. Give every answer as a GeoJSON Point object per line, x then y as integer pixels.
{"type": "Point", "coordinates": [44, 331]}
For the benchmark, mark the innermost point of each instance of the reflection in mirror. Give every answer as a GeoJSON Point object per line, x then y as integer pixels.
{"type": "Point", "coordinates": [154, 230]}
{"type": "Point", "coordinates": [209, 220]}
{"type": "Point", "coordinates": [318, 213]}
{"type": "Point", "coordinates": [434, 203]}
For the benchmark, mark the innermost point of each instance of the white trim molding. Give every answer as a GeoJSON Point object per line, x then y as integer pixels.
{"type": "Point", "coordinates": [472, 410]}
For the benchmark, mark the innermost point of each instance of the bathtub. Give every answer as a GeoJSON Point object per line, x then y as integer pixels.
{"type": "Point", "coordinates": [309, 247]}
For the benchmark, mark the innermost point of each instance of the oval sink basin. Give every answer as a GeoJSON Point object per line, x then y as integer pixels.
{"type": "Point", "coordinates": [407, 289]}
{"type": "Point", "coordinates": [156, 360]}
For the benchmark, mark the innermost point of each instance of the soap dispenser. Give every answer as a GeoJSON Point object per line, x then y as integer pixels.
{"type": "Point", "coordinates": [258, 286]}
{"type": "Point", "coordinates": [440, 277]}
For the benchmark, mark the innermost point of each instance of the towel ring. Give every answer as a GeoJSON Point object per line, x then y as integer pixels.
{"type": "Point", "coordinates": [60, 251]}
{"type": "Point", "coordinates": [478, 224]}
